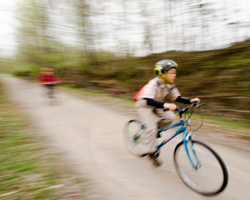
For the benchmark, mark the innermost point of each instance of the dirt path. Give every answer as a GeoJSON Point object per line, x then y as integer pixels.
{"type": "Point", "coordinates": [90, 137]}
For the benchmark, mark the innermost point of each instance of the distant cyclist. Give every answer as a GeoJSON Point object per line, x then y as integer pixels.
{"type": "Point", "coordinates": [150, 102]}
{"type": "Point", "coordinates": [48, 79]}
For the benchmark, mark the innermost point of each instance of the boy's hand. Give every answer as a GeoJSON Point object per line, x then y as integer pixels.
{"type": "Point", "coordinates": [195, 99]}
{"type": "Point", "coordinates": [170, 106]}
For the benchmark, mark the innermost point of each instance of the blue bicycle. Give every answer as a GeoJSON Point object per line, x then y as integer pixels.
{"type": "Point", "coordinates": [198, 165]}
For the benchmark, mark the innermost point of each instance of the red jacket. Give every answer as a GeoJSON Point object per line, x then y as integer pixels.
{"type": "Point", "coordinates": [48, 79]}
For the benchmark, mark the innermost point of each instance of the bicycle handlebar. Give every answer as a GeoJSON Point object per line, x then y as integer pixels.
{"type": "Point", "coordinates": [183, 110]}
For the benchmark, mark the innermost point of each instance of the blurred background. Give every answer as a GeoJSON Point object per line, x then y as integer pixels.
{"type": "Point", "coordinates": [111, 46]}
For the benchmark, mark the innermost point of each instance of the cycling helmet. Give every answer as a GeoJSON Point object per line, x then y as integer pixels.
{"type": "Point", "coordinates": [163, 66]}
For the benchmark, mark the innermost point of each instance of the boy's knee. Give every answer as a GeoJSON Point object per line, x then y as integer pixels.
{"type": "Point", "coordinates": [167, 120]}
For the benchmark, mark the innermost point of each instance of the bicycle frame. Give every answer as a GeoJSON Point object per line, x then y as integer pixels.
{"type": "Point", "coordinates": [186, 137]}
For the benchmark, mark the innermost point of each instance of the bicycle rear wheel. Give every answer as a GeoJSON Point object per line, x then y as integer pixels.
{"type": "Point", "coordinates": [210, 177]}
{"type": "Point", "coordinates": [135, 138]}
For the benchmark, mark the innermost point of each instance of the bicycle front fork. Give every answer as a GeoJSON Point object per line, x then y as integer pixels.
{"type": "Point", "coordinates": [187, 140]}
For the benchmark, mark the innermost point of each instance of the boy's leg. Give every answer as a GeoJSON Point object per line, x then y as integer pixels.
{"type": "Point", "coordinates": [46, 90]}
{"type": "Point", "coordinates": [51, 90]}
{"type": "Point", "coordinates": [166, 118]}
{"type": "Point", "coordinates": [148, 117]}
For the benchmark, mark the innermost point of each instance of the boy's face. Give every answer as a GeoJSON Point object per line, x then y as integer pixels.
{"type": "Point", "coordinates": [170, 75]}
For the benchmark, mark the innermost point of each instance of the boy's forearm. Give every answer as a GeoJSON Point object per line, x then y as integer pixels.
{"type": "Point", "coordinates": [152, 102]}
{"type": "Point", "coordinates": [182, 99]}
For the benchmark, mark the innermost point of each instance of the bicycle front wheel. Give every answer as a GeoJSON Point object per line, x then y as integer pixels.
{"type": "Point", "coordinates": [134, 135]}
{"type": "Point", "coordinates": [209, 176]}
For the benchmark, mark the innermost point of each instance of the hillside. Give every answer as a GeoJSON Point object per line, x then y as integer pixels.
{"type": "Point", "coordinates": [219, 77]}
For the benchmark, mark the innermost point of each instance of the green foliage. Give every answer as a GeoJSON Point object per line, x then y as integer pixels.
{"type": "Point", "coordinates": [22, 72]}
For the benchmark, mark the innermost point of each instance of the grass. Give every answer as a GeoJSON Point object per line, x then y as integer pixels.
{"type": "Point", "coordinates": [30, 169]}
{"type": "Point", "coordinates": [231, 124]}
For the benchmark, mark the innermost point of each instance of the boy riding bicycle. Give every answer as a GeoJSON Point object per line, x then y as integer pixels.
{"type": "Point", "coordinates": [151, 102]}
{"type": "Point", "coordinates": [48, 79]}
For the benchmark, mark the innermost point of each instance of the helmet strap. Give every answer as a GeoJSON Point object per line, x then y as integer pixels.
{"type": "Point", "coordinates": [164, 80]}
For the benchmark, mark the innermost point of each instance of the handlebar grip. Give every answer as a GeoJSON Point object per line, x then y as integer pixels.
{"type": "Point", "coordinates": [176, 110]}
{"type": "Point", "coordinates": [193, 104]}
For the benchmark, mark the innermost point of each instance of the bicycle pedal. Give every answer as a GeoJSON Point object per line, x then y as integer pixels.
{"type": "Point", "coordinates": [156, 163]}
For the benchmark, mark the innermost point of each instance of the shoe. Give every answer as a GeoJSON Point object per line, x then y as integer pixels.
{"type": "Point", "coordinates": [155, 160]}
{"type": "Point", "coordinates": [145, 154]}
{"type": "Point", "coordinates": [158, 135]}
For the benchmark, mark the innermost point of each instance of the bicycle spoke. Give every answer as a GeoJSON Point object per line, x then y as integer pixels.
{"type": "Point", "coordinates": [210, 177]}
{"type": "Point", "coordinates": [134, 137]}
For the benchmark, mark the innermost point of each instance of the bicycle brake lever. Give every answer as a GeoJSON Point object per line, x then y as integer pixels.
{"type": "Point", "coordinates": [200, 105]}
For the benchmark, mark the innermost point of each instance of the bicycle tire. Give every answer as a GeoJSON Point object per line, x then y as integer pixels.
{"type": "Point", "coordinates": [210, 178]}
{"type": "Point", "coordinates": [134, 137]}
